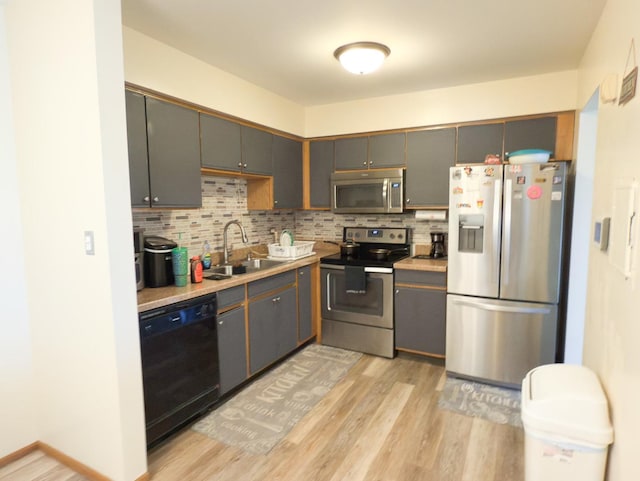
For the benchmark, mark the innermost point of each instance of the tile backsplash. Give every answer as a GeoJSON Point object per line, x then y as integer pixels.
{"type": "Point", "coordinates": [225, 199]}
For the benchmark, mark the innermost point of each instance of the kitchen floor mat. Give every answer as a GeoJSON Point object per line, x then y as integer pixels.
{"type": "Point", "coordinates": [260, 415]}
{"type": "Point", "coordinates": [495, 404]}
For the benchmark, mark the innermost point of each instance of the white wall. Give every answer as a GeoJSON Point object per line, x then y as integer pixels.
{"type": "Point", "coordinates": [155, 65]}
{"type": "Point", "coordinates": [612, 333]}
{"type": "Point", "coordinates": [68, 107]}
{"type": "Point", "coordinates": [147, 64]}
{"type": "Point", "coordinates": [504, 98]}
{"type": "Point", "coordinates": [17, 414]}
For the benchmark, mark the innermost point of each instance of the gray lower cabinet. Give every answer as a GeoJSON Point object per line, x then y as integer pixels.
{"type": "Point", "coordinates": [430, 154]}
{"type": "Point", "coordinates": [272, 328]}
{"type": "Point", "coordinates": [537, 133]}
{"type": "Point", "coordinates": [351, 153]}
{"type": "Point", "coordinates": [387, 150]}
{"type": "Point", "coordinates": [220, 146]}
{"type": "Point", "coordinates": [232, 349]}
{"type": "Point", "coordinates": [257, 148]}
{"type": "Point", "coordinates": [287, 173]}
{"type": "Point", "coordinates": [305, 328]}
{"type": "Point", "coordinates": [420, 312]}
{"type": "Point", "coordinates": [321, 154]}
{"type": "Point", "coordinates": [475, 142]}
{"type": "Point", "coordinates": [172, 141]}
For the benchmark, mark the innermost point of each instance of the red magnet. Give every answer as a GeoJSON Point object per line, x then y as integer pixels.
{"type": "Point", "coordinates": [534, 192]}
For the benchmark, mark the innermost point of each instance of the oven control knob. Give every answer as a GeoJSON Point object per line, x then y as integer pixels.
{"type": "Point", "coordinates": [357, 234]}
{"type": "Point", "coordinates": [392, 236]}
{"type": "Point", "coordinates": [400, 236]}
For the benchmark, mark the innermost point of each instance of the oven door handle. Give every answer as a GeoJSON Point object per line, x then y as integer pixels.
{"type": "Point", "coordinates": [377, 270]}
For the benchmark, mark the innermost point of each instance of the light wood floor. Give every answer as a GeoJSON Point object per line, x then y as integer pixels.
{"type": "Point", "coordinates": [381, 422]}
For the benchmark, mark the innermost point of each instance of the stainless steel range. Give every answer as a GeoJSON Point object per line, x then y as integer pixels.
{"type": "Point", "coordinates": [357, 290]}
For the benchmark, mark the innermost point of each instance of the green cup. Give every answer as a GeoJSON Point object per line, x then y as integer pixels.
{"type": "Point", "coordinates": [180, 261]}
{"type": "Point", "coordinates": [180, 280]}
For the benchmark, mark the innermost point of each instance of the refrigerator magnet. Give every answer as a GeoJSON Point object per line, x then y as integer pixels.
{"type": "Point", "coordinates": [457, 191]}
{"type": "Point", "coordinates": [489, 172]}
{"type": "Point", "coordinates": [534, 192]}
{"type": "Point", "coordinates": [556, 195]}
{"type": "Point", "coordinates": [521, 180]}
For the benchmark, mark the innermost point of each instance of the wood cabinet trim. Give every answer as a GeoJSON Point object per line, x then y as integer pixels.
{"type": "Point", "coordinates": [413, 351]}
{"type": "Point", "coordinates": [420, 286]}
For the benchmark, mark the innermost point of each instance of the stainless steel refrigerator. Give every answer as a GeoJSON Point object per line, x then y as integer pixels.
{"type": "Point", "coordinates": [504, 269]}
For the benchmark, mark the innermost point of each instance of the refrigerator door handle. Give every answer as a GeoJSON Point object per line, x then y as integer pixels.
{"type": "Point", "coordinates": [502, 308]}
{"type": "Point", "coordinates": [507, 230]}
{"type": "Point", "coordinates": [496, 230]}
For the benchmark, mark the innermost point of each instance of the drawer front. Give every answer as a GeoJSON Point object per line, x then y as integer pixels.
{"type": "Point", "coordinates": [229, 297]}
{"type": "Point", "coordinates": [426, 278]}
{"type": "Point", "coordinates": [271, 283]}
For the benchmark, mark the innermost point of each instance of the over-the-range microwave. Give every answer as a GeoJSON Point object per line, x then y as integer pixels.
{"type": "Point", "coordinates": [368, 192]}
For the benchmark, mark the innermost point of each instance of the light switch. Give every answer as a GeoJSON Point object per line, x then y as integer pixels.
{"type": "Point", "coordinates": [88, 243]}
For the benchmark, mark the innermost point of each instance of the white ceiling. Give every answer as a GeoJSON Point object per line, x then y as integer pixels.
{"type": "Point", "coordinates": [286, 46]}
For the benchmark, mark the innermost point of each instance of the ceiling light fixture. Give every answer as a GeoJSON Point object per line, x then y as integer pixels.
{"type": "Point", "coordinates": [362, 57]}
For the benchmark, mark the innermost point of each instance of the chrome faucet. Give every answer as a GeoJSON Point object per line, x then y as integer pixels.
{"type": "Point", "coordinates": [225, 249]}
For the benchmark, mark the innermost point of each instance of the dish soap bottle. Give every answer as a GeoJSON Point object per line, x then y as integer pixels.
{"type": "Point", "coordinates": [206, 255]}
{"type": "Point", "coordinates": [196, 269]}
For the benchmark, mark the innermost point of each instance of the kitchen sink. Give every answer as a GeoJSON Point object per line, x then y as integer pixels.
{"type": "Point", "coordinates": [259, 264]}
{"type": "Point", "coordinates": [217, 273]}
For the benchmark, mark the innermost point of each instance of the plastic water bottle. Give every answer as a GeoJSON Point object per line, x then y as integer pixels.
{"type": "Point", "coordinates": [206, 255]}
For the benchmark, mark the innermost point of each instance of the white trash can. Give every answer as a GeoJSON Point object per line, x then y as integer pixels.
{"type": "Point", "coordinates": [566, 424]}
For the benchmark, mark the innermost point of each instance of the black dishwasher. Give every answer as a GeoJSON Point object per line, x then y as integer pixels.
{"type": "Point", "coordinates": [180, 371]}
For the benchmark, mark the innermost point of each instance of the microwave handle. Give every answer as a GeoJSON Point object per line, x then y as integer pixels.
{"type": "Point", "coordinates": [386, 197]}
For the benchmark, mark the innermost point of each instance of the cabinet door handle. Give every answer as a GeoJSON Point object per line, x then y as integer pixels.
{"type": "Point", "coordinates": [155, 199]}
{"type": "Point", "coordinates": [244, 165]}
{"type": "Point", "coordinates": [397, 291]}
{"type": "Point", "coordinates": [275, 201]}
{"type": "Point", "coordinates": [371, 162]}
{"type": "Point", "coordinates": [408, 201]}
{"type": "Point", "coordinates": [240, 164]}
{"type": "Point", "coordinates": [146, 198]}
{"type": "Point", "coordinates": [364, 163]}
{"type": "Point", "coordinates": [220, 323]}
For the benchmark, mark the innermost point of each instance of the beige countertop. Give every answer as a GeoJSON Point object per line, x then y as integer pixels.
{"type": "Point", "coordinates": [154, 297]}
{"type": "Point", "coordinates": [431, 265]}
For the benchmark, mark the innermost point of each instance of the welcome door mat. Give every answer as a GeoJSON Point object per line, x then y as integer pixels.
{"type": "Point", "coordinates": [259, 416]}
{"type": "Point", "coordinates": [495, 404]}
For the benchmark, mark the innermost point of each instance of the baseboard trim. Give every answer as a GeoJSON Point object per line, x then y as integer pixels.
{"type": "Point", "coordinates": [62, 458]}
{"type": "Point", "coordinates": [11, 457]}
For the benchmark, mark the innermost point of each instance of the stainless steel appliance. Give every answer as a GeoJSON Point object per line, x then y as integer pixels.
{"type": "Point", "coordinates": [138, 256]}
{"type": "Point", "coordinates": [504, 269]}
{"type": "Point", "coordinates": [367, 192]}
{"type": "Point", "coordinates": [158, 267]}
{"type": "Point", "coordinates": [180, 373]}
{"type": "Point", "coordinates": [357, 290]}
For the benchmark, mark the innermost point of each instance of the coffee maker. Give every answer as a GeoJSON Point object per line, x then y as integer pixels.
{"type": "Point", "coordinates": [438, 249]}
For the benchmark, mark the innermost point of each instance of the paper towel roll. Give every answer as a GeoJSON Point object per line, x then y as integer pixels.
{"type": "Point", "coordinates": [431, 215]}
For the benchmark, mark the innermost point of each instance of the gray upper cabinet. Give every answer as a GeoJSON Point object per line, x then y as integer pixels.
{"type": "Point", "coordinates": [257, 148]}
{"type": "Point", "coordinates": [537, 133]}
{"type": "Point", "coordinates": [137, 144]}
{"type": "Point", "coordinates": [475, 142]}
{"type": "Point", "coordinates": [430, 154]}
{"type": "Point", "coordinates": [320, 169]}
{"type": "Point", "coordinates": [387, 150]}
{"type": "Point", "coordinates": [172, 141]}
{"type": "Point", "coordinates": [287, 173]}
{"type": "Point", "coordinates": [220, 145]}
{"type": "Point", "coordinates": [351, 153]}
